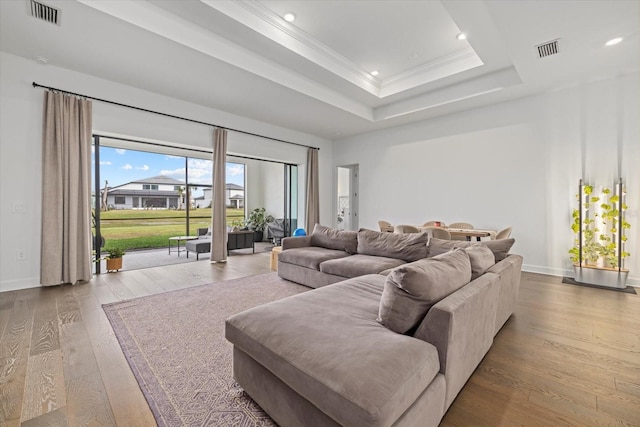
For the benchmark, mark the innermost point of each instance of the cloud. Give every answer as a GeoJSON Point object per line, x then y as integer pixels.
{"type": "Point", "coordinates": [168, 156]}
{"type": "Point", "coordinates": [120, 150]}
{"type": "Point", "coordinates": [127, 167]}
{"type": "Point", "coordinates": [143, 168]}
{"type": "Point", "coordinates": [107, 163]}
{"type": "Point", "coordinates": [235, 169]}
{"type": "Point", "coordinates": [169, 172]}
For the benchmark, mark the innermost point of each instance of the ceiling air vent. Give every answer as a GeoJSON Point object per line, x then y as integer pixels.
{"type": "Point", "coordinates": [46, 13]}
{"type": "Point", "coordinates": [547, 49]}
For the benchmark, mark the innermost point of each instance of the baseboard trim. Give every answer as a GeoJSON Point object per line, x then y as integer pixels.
{"type": "Point", "coordinates": [559, 272]}
{"type": "Point", "coordinates": [19, 284]}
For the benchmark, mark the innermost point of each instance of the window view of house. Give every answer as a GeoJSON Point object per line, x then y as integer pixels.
{"type": "Point", "coordinates": [145, 198]}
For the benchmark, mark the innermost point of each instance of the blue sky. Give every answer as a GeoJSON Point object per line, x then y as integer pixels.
{"type": "Point", "coordinates": [119, 166]}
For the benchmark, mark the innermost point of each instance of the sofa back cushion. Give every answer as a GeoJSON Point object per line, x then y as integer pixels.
{"type": "Point", "coordinates": [407, 247]}
{"type": "Point", "coordinates": [500, 248]}
{"type": "Point", "coordinates": [411, 289]}
{"type": "Point", "coordinates": [481, 258]}
{"type": "Point", "coordinates": [332, 238]}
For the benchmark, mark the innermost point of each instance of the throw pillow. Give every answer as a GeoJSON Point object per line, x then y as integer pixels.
{"type": "Point", "coordinates": [500, 248]}
{"type": "Point", "coordinates": [481, 258]}
{"type": "Point", "coordinates": [332, 238]}
{"type": "Point", "coordinates": [407, 247]}
{"type": "Point", "coordinates": [411, 289]}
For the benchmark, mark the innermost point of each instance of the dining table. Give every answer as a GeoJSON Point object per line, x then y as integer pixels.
{"type": "Point", "coordinates": [470, 233]}
{"type": "Point", "coordinates": [467, 233]}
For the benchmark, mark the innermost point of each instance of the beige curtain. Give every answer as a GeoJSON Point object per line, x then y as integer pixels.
{"type": "Point", "coordinates": [219, 211]}
{"type": "Point", "coordinates": [313, 192]}
{"type": "Point", "coordinates": [65, 251]}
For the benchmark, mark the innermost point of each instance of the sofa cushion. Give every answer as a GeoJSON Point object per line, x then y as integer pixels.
{"type": "Point", "coordinates": [411, 289]}
{"type": "Point", "coordinates": [310, 257]}
{"type": "Point", "coordinates": [408, 247]}
{"type": "Point", "coordinates": [332, 238]}
{"type": "Point", "coordinates": [481, 258]}
{"type": "Point", "coordinates": [358, 265]}
{"type": "Point", "coordinates": [500, 248]}
{"type": "Point", "coordinates": [327, 346]}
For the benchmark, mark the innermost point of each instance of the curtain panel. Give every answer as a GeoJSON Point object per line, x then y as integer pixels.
{"type": "Point", "coordinates": [65, 251]}
{"type": "Point", "coordinates": [219, 208]}
{"type": "Point", "coordinates": [313, 191]}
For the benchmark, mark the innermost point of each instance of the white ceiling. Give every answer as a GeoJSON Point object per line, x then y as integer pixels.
{"type": "Point", "coordinates": [312, 75]}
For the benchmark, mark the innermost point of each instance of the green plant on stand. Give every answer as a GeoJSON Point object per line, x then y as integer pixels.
{"type": "Point", "coordinates": [258, 220]}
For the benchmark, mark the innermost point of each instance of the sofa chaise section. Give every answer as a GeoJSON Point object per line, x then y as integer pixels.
{"type": "Point", "coordinates": [327, 347]}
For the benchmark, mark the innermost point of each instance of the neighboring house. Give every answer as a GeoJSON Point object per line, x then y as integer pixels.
{"type": "Point", "coordinates": [160, 192]}
{"type": "Point", "coordinates": [234, 197]}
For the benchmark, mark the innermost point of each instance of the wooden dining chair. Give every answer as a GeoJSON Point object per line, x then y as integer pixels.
{"type": "Point", "coordinates": [403, 228]}
{"type": "Point", "coordinates": [385, 227]}
{"type": "Point", "coordinates": [504, 233]}
{"type": "Point", "coordinates": [462, 225]}
{"type": "Point", "coordinates": [433, 224]}
{"type": "Point", "coordinates": [440, 233]}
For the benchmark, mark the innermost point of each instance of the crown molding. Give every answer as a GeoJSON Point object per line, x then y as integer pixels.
{"type": "Point", "coordinates": [457, 62]}
{"type": "Point", "coordinates": [259, 18]}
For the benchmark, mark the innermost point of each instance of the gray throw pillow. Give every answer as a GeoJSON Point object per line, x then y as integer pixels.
{"type": "Point", "coordinates": [481, 258]}
{"type": "Point", "coordinates": [411, 289]}
{"type": "Point", "coordinates": [332, 238]}
{"type": "Point", "coordinates": [500, 248]}
{"type": "Point", "coordinates": [407, 247]}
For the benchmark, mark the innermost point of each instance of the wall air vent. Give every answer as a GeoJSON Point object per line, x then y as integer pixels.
{"type": "Point", "coordinates": [547, 49]}
{"type": "Point", "coordinates": [42, 11]}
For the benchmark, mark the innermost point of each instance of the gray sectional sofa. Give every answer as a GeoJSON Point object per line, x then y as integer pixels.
{"type": "Point", "coordinates": [391, 349]}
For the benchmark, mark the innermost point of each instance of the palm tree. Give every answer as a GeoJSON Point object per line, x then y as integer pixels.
{"type": "Point", "coordinates": [180, 192]}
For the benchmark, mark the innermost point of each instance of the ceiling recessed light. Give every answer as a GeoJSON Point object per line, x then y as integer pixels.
{"type": "Point", "coordinates": [614, 41]}
{"type": "Point", "coordinates": [289, 17]}
{"type": "Point", "coordinates": [461, 36]}
{"type": "Point", "coordinates": [375, 73]}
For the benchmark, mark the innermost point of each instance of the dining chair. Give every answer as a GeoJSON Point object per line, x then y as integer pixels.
{"type": "Point", "coordinates": [463, 225]}
{"type": "Point", "coordinates": [385, 227]}
{"type": "Point", "coordinates": [403, 228]}
{"type": "Point", "coordinates": [504, 233]}
{"type": "Point", "coordinates": [433, 224]}
{"type": "Point", "coordinates": [440, 233]}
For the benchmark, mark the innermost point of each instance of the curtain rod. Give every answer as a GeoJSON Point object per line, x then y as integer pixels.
{"type": "Point", "coordinates": [34, 84]}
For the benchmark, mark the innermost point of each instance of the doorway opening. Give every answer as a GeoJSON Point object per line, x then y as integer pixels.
{"type": "Point", "coordinates": [347, 203]}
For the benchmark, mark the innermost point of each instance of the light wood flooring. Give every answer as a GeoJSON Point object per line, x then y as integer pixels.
{"type": "Point", "coordinates": [569, 356]}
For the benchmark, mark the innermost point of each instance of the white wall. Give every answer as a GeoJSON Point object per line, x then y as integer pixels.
{"type": "Point", "coordinates": [20, 147]}
{"type": "Point", "coordinates": [513, 164]}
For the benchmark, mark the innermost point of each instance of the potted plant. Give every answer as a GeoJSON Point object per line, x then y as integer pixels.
{"type": "Point", "coordinates": [258, 221]}
{"type": "Point", "coordinates": [599, 225]}
{"type": "Point", "coordinates": [114, 259]}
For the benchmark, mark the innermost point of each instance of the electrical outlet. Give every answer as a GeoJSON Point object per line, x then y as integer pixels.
{"type": "Point", "coordinates": [20, 255]}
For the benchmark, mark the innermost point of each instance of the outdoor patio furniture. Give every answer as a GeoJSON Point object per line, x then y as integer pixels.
{"type": "Point", "coordinates": [242, 239]}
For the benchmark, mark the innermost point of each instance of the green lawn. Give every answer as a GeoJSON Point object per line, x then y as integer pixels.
{"type": "Point", "coordinates": [140, 229]}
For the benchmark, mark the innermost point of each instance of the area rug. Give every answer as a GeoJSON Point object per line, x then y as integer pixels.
{"type": "Point", "coordinates": [175, 345]}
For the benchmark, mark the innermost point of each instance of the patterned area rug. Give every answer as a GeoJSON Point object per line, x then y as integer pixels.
{"type": "Point", "coordinates": [175, 345]}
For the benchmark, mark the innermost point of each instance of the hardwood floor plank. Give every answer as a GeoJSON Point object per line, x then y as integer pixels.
{"type": "Point", "coordinates": [87, 399]}
{"type": "Point", "coordinates": [14, 356]}
{"type": "Point", "coordinates": [57, 418]}
{"type": "Point", "coordinates": [45, 335]}
{"type": "Point", "coordinates": [44, 389]}
{"type": "Point", "coordinates": [68, 311]}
